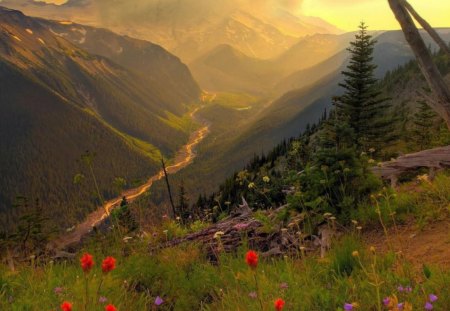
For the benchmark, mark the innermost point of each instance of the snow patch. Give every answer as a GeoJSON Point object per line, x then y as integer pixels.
{"type": "Point", "coordinates": [29, 31]}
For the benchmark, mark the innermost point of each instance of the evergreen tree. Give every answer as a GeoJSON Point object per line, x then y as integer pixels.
{"type": "Point", "coordinates": [424, 120]}
{"type": "Point", "coordinates": [124, 216]}
{"type": "Point", "coordinates": [183, 203]}
{"type": "Point", "coordinates": [362, 101]}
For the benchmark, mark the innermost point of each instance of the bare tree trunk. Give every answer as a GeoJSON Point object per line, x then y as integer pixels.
{"type": "Point", "coordinates": [434, 78]}
{"type": "Point", "coordinates": [433, 34]}
{"type": "Point", "coordinates": [168, 187]}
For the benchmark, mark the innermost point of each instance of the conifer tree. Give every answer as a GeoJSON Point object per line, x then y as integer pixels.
{"type": "Point", "coordinates": [423, 125]}
{"type": "Point", "coordinates": [362, 101]}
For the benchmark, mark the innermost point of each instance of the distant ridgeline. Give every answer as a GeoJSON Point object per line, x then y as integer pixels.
{"type": "Point", "coordinates": [78, 104]}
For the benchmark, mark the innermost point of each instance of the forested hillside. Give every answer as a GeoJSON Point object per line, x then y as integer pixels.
{"type": "Point", "coordinates": [60, 101]}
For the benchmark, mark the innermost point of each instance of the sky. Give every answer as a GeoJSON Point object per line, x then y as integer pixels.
{"type": "Point", "coordinates": [346, 14]}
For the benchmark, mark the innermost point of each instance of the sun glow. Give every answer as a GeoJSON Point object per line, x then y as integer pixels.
{"type": "Point", "coordinates": [346, 14]}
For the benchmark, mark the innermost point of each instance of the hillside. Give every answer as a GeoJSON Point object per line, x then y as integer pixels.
{"type": "Point", "coordinates": [103, 107]}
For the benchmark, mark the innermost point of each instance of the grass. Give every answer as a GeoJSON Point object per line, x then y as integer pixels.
{"type": "Point", "coordinates": [352, 272]}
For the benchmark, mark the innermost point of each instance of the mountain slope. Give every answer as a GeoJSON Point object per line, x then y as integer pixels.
{"type": "Point", "coordinates": [61, 101]}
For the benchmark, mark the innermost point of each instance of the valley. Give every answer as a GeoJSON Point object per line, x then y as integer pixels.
{"type": "Point", "coordinates": [182, 159]}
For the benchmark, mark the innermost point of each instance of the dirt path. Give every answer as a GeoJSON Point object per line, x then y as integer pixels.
{"type": "Point", "coordinates": [431, 245]}
{"type": "Point", "coordinates": [184, 157]}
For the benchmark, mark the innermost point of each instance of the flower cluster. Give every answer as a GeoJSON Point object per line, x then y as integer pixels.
{"type": "Point", "coordinates": [87, 263]}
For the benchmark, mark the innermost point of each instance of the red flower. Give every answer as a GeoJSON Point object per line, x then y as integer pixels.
{"type": "Point", "coordinates": [110, 307]}
{"type": "Point", "coordinates": [66, 306]}
{"type": "Point", "coordinates": [108, 264]}
{"type": "Point", "coordinates": [279, 304]}
{"type": "Point", "coordinates": [252, 259]}
{"type": "Point", "coordinates": [87, 262]}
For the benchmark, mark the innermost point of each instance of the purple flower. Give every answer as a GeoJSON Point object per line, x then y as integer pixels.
{"type": "Point", "coordinates": [102, 299]}
{"type": "Point", "coordinates": [400, 306]}
{"type": "Point", "coordinates": [348, 306]}
{"type": "Point", "coordinates": [284, 285]}
{"type": "Point", "coordinates": [58, 290]}
{"type": "Point", "coordinates": [428, 306]}
{"type": "Point", "coordinates": [253, 295]}
{"type": "Point", "coordinates": [386, 301]}
{"type": "Point", "coordinates": [408, 289]}
{"type": "Point", "coordinates": [400, 288]}
{"type": "Point", "coordinates": [433, 297]}
{"type": "Point", "coordinates": [159, 301]}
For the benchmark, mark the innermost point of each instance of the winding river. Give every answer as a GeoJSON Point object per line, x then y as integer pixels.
{"type": "Point", "coordinates": [183, 158]}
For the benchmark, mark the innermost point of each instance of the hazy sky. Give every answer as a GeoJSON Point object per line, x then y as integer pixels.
{"type": "Point", "coordinates": [346, 14]}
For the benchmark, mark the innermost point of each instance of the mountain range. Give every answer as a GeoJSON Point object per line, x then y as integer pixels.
{"type": "Point", "coordinates": [60, 100]}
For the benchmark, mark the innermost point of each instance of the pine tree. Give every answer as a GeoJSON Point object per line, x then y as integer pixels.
{"type": "Point", "coordinates": [362, 101]}
{"type": "Point", "coordinates": [183, 203]}
{"type": "Point", "coordinates": [424, 120]}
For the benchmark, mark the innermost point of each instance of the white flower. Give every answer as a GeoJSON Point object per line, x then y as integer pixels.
{"type": "Point", "coordinates": [218, 234]}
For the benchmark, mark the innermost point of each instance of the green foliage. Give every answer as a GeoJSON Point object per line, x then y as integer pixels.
{"type": "Point", "coordinates": [362, 102]}
{"type": "Point", "coordinates": [343, 260]}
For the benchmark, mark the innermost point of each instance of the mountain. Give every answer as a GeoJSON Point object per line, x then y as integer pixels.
{"type": "Point", "coordinates": [226, 69]}
{"type": "Point", "coordinates": [60, 100]}
{"type": "Point", "coordinates": [190, 28]}
{"type": "Point", "coordinates": [289, 114]}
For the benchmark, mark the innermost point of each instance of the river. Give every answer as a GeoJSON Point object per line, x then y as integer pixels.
{"type": "Point", "coordinates": [183, 158]}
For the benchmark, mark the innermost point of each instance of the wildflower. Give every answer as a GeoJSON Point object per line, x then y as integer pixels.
{"type": "Point", "coordinates": [387, 301]}
{"type": "Point", "coordinates": [108, 264]}
{"type": "Point", "coordinates": [372, 150]}
{"type": "Point", "coordinates": [372, 249]}
{"type": "Point", "coordinates": [253, 295]}
{"type": "Point", "coordinates": [284, 230]}
{"type": "Point", "coordinates": [102, 299]}
{"type": "Point", "coordinates": [400, 306]}
{"type": "Point", "coordinates": [58, 290]}
{"type": "Point", "coordinates": [266, 179]}
{"type": "Point", "coordinates": [428, 306]}
{"type": "Point", "coordinates": [363, 154]}
{"type": "Point", "coordinates": [433, 297]}
{"type": "Point", "coordinates": [251, 185]}
{"type": "Point", "coordinates": [66, 306]}
{"type": "Point", "coordinates": [371, 161]}
{"type": "Point", "coordinates": [87, 262]}
{"type": "Point", "coordinates": [326, 215]}
{"type": "Point", "coordinates": [279, 304]}
{"type": "Point", "coordinates": [302, 248]}
{"type": "Point", "coordinates": [284, 285]}
{"type": "Point", "coordinates": [218, 234]}
{"type": "Point", "coordinates": [110, 307]}
{"type": "Point", "coordinates": [355, 254]}
{"type": "Point", "coordinates": [359, 228]}
{"type": "Point", "coordinates": [355, 222]}
{"type": "Point", "coordinates": [400, 289]}
{"type": "Point", "coordinates": [348, 306]}
{"type": "Point", "coordinates": [332, 218]}
{"type": "Point", "coordinates": [159, 301]}
{"type": "Point", "coordinates": [408, 289]}
{"type": "Point", "coordinates": [251, 258]}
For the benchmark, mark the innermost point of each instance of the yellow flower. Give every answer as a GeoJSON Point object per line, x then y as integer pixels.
{"type": "Point", "coordinates": [355, 254]}
{"type": "Point", "coordinates": [266, 179]}
{"type": "Point", "coordinates": [373, 249]}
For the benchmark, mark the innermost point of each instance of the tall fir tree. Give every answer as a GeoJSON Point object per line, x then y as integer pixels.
{"type": "Point", "coordinates": [362, 101]}
{"type": "Point", "coordinates": [424, 120]}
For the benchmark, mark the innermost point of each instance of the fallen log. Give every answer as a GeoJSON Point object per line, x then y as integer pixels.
{"type": "Point", "coordinates": [433, 159]}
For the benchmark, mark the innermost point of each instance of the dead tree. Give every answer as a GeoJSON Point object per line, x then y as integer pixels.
{"type": "Point", "coordinates": [168, 187]}
{"type": "Point", "coordinates": [441, 103]}
{"type": "Point", "coordinates": [433, 34]}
